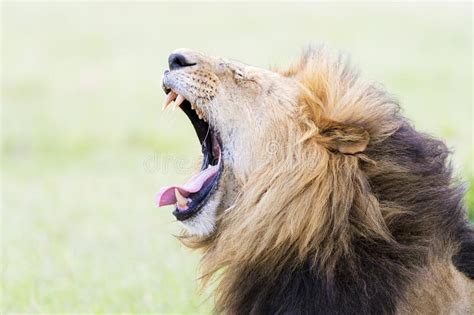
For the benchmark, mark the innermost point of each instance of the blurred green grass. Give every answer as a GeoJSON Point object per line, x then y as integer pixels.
{"type": "Point", "coordinates": [85, 145]}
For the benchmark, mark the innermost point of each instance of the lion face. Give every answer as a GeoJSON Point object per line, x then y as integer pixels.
{"type": "Point", "coordinates": [234, 108]}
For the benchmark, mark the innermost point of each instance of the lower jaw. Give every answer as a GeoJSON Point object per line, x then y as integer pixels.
{"type": "Point", "coordinates": [198, 208]}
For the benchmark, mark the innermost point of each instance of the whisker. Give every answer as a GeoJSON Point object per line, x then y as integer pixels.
{"type": "Point", "coordinates": [207, 134]}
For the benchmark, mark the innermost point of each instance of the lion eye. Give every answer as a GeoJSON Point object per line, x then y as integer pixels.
{"type": "Point", "coordinates": [238, 75]}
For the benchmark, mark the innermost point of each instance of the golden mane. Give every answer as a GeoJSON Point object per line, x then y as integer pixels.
{"type": "Point", "coordinates": [313, 202]}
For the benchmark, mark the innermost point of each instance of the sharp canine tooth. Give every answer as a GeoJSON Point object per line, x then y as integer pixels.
{"type": "Point", "coordinates": [168, 99]}
{"type": "Point", "coordinates": [181, 200]}
{"type": "Point", "coordinates": [180, 99]}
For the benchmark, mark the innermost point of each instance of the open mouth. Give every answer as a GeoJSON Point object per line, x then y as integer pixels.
{"type": "Point", "coordinates": [190, 197]}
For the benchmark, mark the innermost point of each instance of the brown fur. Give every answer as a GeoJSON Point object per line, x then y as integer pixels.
{"type": "Point", "coordinates": [439, 289]}
{"type": "Point", "coordinates": [350, 177]}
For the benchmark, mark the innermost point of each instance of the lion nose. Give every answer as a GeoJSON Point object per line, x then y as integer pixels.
{"type": "Point", "coordinates": [177, 61]}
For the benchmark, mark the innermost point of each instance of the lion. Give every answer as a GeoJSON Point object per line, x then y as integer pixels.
{"type": "Point", "coordinates": [315, 194]}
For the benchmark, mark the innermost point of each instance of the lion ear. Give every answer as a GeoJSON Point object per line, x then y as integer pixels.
{"type": "Point", "coordinates": [347, 139]}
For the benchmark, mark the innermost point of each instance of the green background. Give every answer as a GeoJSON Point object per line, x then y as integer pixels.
{"type": "Point", "coordinates": [85, 146]}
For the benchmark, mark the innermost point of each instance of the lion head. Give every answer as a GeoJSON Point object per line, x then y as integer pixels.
{"type": "Point", "coordinates": [309, 166]}
{"type": "Point", "coordinates": [266, 136]}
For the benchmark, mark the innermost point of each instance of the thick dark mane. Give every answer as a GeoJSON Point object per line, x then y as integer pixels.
{"type": "Point", "coordinates": [421, 182]}
{"type": "Point", "coordinates": [417, 178]}
{"type": "Point", "coordinates": [464, 258]}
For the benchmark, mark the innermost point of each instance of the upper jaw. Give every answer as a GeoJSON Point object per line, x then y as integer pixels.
{"type": "Point", "coordinates": [177, 92]}
{"type": "Point", "coordinates": [169, 82]}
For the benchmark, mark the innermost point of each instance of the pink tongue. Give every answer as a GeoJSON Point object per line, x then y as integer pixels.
{"type": "Point", "coordinates": [166, 195]}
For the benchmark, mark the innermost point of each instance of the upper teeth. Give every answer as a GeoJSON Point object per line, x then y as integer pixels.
{"type": "Point", "coordinates": [169, 98]}
{"type": "Point", "coordinates": [178, 100]}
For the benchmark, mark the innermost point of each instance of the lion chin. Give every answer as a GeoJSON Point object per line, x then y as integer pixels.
{"type": "Point", "coordinates": [315, 195]}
